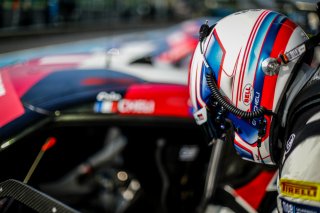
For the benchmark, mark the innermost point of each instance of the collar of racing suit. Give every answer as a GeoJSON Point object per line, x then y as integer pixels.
{"type": "Point", "coordinates": [304, 78]}
{"type": "Point", "coordinates": [305, 108]}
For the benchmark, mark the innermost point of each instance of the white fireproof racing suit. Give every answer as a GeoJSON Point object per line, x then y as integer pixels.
{"type": "Point", "coordinates": [299, 172]}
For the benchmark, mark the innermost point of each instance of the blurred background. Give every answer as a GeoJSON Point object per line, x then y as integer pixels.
{"type": "Point", "coordinates": [59, 54]}
{"type": "Point", "coordinates": [34, 17]}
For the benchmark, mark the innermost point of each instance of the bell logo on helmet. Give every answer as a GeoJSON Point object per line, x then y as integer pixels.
{"type": "Point", "coordinates": [247, 94]}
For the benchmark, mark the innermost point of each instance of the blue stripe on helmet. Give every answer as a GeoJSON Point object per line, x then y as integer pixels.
{"type": "Point", "coordinates": [205, 90]}
{"type": "Point", "coordinates": [270, 37]}
{"type": "Point", "coordinates": [248, 133]}
{"type": "Point", "coordinates": [214, 56]}
{"type": "Point", "coordinates": [259, 39]}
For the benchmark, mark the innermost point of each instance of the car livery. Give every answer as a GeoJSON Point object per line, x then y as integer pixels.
{"type": "Point", "coordinates": [42, 88]}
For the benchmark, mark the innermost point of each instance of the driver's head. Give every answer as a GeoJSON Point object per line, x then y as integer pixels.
{"type": "Point", "coordinates": [238, 77]}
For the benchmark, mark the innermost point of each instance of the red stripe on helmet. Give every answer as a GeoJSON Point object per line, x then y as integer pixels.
{"type": "Point", "coordinates": [279, 46]}
{"type": "Point", "coordinates": [233, 73]}
{"type": "Point", "coordinates": [189, 69]}
{"type": "Point", "coordinates": [189, 77]}
{"type": "Point", "coordinates": [242, 146]}
{"type": "Point", "coordinates": [246, 53]}
{"type": "Point", "coordinates": [198, 88]}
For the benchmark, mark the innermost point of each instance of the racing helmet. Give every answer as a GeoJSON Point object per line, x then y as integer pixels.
{"type": "Point", "coordinates": [238, 76]}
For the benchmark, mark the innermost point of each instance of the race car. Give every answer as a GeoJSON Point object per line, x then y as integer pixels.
{"type": "Point", "coordinates": [80, 108]}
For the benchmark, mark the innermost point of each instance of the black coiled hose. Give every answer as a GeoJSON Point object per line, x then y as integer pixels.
{"type": "Point", "coordinates": [229, 107]}
{"type": "Point", "coordinates": [203, 33]}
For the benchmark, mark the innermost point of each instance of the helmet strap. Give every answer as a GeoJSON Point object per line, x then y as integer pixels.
{"type": "Point", "coordinates": [299, 50]}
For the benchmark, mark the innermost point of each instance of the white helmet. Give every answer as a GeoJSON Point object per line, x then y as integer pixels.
{"type": "Point", "coordinates": [239, 72]}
